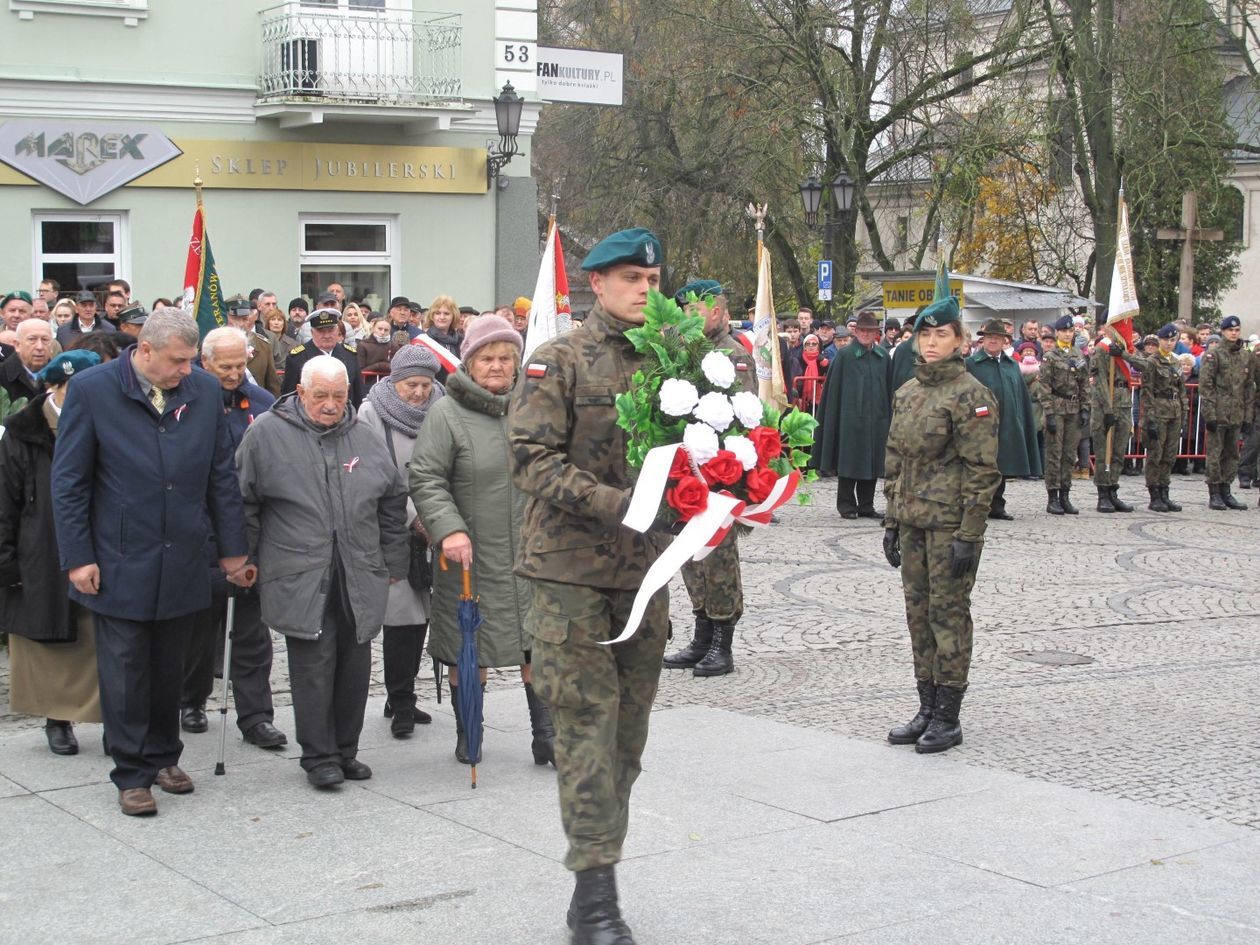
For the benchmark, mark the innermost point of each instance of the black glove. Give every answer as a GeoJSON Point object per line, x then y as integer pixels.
{"type": "Point", "coordinates": [1152, 432]}
{"type": "Point", "coordinates": [1109, 421]}
{"type": "Point", "coordinates": [1210, 426]}
{"type": "Point", "coordinates": [1115, 350]}
{"type": "Point", "coordinates": [1083, 416]}
{"type": "Point", "coordinates": [892, 546]}
{"type": "Point", "coordinates": [1052, 425]}
{"type": "Point", "coordinates": [962, 556]}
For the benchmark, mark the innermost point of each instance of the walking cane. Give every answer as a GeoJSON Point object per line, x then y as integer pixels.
{"type": "Point", "coordinates": [229, 620]}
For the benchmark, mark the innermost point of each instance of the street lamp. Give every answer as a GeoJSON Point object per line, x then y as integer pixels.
{"type": "Point", "coordinates": [811, 197]}
{"type": "Point", "coordinates": [507, 117]}
{"type": "Point", "coordinates": [842, 191]}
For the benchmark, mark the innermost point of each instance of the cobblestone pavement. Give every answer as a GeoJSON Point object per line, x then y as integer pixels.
{"type": "Point", "coordinates": [1160, 610]}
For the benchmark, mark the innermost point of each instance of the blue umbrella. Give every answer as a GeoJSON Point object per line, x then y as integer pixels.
{"type": "Point", "coordinates": [469, 692]}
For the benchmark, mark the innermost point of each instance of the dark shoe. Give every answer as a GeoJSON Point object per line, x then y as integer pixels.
{"type": "Point", "coordinates": [1054, 506]}
{"type": "Point", "coordinates": [421, 717]}
{"type": "Point", "coordinates": [1230, 502]}
{"type": "Point", "coordinates": [1120, 506]}
{"type": "Point", "coordinates": [192, 718]}
{"type": "Point", "coordinates": [174, 780]}
{"type": "Point", "coordinates": [325, 774]}
{"type": "Point", "coordinates": [909, 733]}
{"type": "Point", "coordinates": [355, 770]}
{"type": "Point", "coordinates": [693, 652]}
{"type": "Point", "coordinates": [1104, 500]}
{"type": "Point", "coordinates": [1215, 502]}
{"type": "Point", "coordinates": [1244, 483]}
{"type": "Point", "coordinates": [718, 661]}
{"type": "Point", "coordinates": [404, 723]}
{"type": "Point", "coordinates": [848, 515]}
{"type": "Point", "coordinates": [1068, 507]}
{"type": "Point", "coordinates": [60, 735]}
{"type": "Point", "coordinates": [870, 513]}
{"type": "Point", "coordinates": [265, 735]}
{"type": "Point", "coordinates": [461, 736]}
{"type": "Point", "coordinates": [596, 913]}
{"type": "Point", "coordinates": [1001, 515]}
{"type": "Point", "coordinates": [544, 744]}
{"type": "Point", "coordinates": [1157, 499]}
{"type": "Point", "coordinates": [944, 731]}
{"type": "Point", "coordinates": [1172, 506]}
{"type": "Point", "coordinates": [137, 802]}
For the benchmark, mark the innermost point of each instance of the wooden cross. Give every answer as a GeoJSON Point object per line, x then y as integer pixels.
{"type": "Point", "coordinates": [1189, 235]}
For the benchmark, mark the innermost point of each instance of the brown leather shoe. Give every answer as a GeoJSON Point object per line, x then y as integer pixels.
{"type": "Point", "coordinates": [173, 780]}
{"type": "Point", "coordinates": [137, 802]}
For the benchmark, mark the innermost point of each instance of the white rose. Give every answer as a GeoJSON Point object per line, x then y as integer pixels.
{"type": "Point", "coordinates": [700, 439]}
{"type": "Point", "coordinates": [743, 449]}
{"type": "Point", "coordinates": [718, 369]}
{"type": "Point", "coordinates": [748, 408]}
{"type": "Point", "coordinates": [678, 397]}
{"type": "Point", "coordinates": [715, 410]}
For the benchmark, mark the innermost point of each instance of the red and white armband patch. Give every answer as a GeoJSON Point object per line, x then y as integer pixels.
{"type": "Point", "coordinates": [982, 410]}
{"type": "Point", "coordinates": [536, 369]}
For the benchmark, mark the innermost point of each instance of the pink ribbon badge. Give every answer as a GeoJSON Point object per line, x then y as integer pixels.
{"type": "Point", "coordinates": [179, 412]}
{"type": "Point", "coordinates": [350, 465]}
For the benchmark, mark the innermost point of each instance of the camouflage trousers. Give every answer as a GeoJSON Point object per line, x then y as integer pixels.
{"type": "Point", "coordinates": [1061, 449]}
{"type": "Point", "coordinates": [938, 607]}
{"type": "Point", "coordinates": [600, 699]}
{"type": "Point", "coordinates": [1120, 434]}
{"type": "Point", "coordinates": [1161, 453]}
{"type": "Point", "coordinates": [714, 584]}
{"type": "Point", "coordinates": [1222, 455]}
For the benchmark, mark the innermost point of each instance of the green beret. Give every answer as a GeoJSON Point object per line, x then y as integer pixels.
{"type": "Point", "coordinates": [635, 247]}
{"type": "Point", "coordinates": [65, 365]}
{"type": "Point", "coordinates": [941, 312]}
{"type": "Point", "coordinates": [701, 287]}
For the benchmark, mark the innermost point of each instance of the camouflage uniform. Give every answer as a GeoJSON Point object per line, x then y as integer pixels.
{"type": "Point", "coordinates": [1102, 404]}
{"type": "Point", "coordinates": [570, 457]}
{"type": "Point", "coordinates": [1063, 377]}
{"type": "Point", "coordinates": [1226, 398]}
{"type": "Point", "coordinates": [942, 473]}
{"type": "Point", "coordinates": [1165, 405]}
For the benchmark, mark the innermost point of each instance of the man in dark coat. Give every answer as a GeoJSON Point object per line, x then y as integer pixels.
{"type": "Point", "coordinates": [33, 352]}
{"type": "Point", "coordinates": [85, 320]}
{"type": "Point", "coordinates": [323, 324]}
{"type": "Point", "coordinates": [904, 357]}
{"type": "Point", "coordinates": [1018, 454]}
{"type": "Point", "coordinates": [857, 408]}
{"type": "Point", "coordinates": [143, 476]}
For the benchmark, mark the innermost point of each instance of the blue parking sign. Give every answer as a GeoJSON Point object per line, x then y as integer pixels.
{"type": "Point", "coordinates": [824, 280]}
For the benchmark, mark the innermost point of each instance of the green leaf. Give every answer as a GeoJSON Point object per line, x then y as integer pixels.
{"type": "Point", "coordinates": [770, 415]}
{"type": "Point", "coordinates": [781, 465]}
{"type": "Point", "coordinates": [800, 459]}
{"type": "Point", "coordinates": [811, 475]}
{"type": "Point", "coordinates": [804, 498]}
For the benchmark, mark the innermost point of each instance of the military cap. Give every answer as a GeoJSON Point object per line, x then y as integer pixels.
{"type": "Point", "coordinates": [994, 326]}
{"type": "Point", "coordinates": [1063, 323]}
{"type": "Point", "coordinates": [61, 368]}
{"type": "Point", "coordinates": [299, 302]}
{"type": "Point", "coordinates": [634, 247]}
{"type": "Point", "coordinates": [866, 320]}
{"type": "Point", "coordinates": [938, 314]}
{"type": "Point", "coordinates": [239, 305]}
{"type": "Point", "coordinates": [19, 295]}
{"type": "Point", "coordinates": [87, 295]}
{"type": "Point", "coordinates": [324, 318]}
{"type": "Point", "coordinates": [701, 287]}
{"type": "Point", "coordinates": [1168, 331]}
{"type": "Point", "coordinates": [133, 315]}
{"type": "Point", "coordinates": [1230, 321]}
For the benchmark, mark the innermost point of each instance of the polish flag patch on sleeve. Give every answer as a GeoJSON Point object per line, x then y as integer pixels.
{"type": "Point", "coordinates": [536, 370]}
{"type": "Point", "coordinates": [982, 411]}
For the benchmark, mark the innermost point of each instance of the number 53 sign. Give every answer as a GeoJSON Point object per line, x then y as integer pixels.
{"type": "Point", "coordinates": [517, 55]}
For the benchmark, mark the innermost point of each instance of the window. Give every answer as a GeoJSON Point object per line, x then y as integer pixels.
{"type": "Point", "coordinates": [80, 250]}
{"type": "Point", "coordinates": [131, 11]}
{"type": "Point", "coordinates": [359, 252]}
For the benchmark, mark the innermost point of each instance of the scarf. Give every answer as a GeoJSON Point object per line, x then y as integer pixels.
{"type": "Point", "coordinates": [395, 412]}
{"type": "Point", "coordinates": [809, 384]}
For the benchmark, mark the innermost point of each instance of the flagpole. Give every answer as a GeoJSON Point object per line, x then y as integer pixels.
{"type": "Point", "coordinates": [1111, 362]}
{"type": "Point", "coordinates": [197, 182]}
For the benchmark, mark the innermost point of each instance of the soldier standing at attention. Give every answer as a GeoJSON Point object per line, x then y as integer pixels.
{"type": "Point", "coordinates": [1227, 401]}
{"type": "Point", "coordinates": [569, 457]}
{"type": "Point", "coordinates": [714, 584]}
{"type": "Point", "coordinates": [941, 475]}
{"type": "Point", "coordinates": [1109, 412]}
{"type": "Point", "coordinates": [1063, 379]}
{"type": "Point", "coordinates": [1165, 406]}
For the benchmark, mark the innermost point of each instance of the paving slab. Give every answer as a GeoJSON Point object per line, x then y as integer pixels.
{"type": "Point", "coordinates": [10, 789]}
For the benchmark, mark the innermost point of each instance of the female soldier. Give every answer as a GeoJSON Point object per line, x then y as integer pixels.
{"type": "Point", "coordinates": [941, 474]}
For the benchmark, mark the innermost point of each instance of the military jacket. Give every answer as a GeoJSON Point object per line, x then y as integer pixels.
{"type": "Point", "coordinates": [745, 368]}
{"type": "Point", "coordinates": [942, 458]}
{"type": "Point", "coordinates": [569, 457]}
{"type": "Point", "coordinates": [1164, 396]}
{"type": "Point", "coordinates": [342, 352]}
{"type": "Point", "coordinates": [1227, 387]}
{"type": "Point", "coordinates": [1064, 375]}
{"type": "Point", "coordinates": [1100, 395]}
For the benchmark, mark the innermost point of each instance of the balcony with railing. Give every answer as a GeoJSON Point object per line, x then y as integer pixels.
{"type": "Point", "coordinates": [357, 58]}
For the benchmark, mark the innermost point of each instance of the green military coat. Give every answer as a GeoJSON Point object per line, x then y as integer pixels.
{"type": "Point", "coordinates": [857, 408]}
{"type": "Point", "coordinates": [1018, 454]}
{"type": "Point", "coordinates": [1227, 389]}
{"type": "Point", "coordinates": [1064, 380]}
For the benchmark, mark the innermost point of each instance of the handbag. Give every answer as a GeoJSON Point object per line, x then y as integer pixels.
{"type": "Point", "coordinates": [419, 564]}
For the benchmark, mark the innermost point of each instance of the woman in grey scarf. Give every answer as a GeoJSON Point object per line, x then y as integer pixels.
{"type": "Point", "coordinates": [396, 408]}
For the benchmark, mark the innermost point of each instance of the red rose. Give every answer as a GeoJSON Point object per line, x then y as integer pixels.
{"type": "Point", "coordinates": [681, 466]}
{"type": "Point", "coordinates": [760, 481]}
{"type": "Point", "coordinates": [768, 442]}
{"type": "Point", "coordinates": [687, 498]}
{"type": "Point", "coordinates": [723, 469]}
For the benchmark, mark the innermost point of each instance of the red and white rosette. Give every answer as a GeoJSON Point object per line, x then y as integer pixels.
{"type": "Point", "coordinates": [702, 533]}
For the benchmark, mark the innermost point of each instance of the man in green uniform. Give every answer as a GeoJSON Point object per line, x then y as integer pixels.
{"type": "Point", "coordinates": [1111, 412]}
{"type": "Point", "coordinates": [1227, 402]}
{"type": "Point", "coordinates": [1018, 453]}
{"type": "Point", "coordinates": [1063, 379]}
{"type": "Point", "coordinates": [1165, 406]}
{"type": "Point", "coordinates": [569, 456]}
{"type": "Point", "coordinates": [714, 584]}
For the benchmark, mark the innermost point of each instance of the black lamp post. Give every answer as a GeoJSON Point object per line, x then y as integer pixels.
{"type": "Point", "coordinates": [842, 191]}
{"type": "Point", "coordinates": [507, 117]}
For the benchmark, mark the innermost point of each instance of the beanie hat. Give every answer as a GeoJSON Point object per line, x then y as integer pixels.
{"type": "Point", "coordinates": [522, 305]}
{"type": "Point", "coordinates": [413, 361]}
{"type": "Point", "coordinates": [299, 302]}
{"type": "Point", "coordinates": [487, 329]}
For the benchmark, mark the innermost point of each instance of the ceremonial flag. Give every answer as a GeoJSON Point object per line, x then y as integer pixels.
{"type": "Point", "coordinates": [1122, 304]}
{"type": "Point", "coordinates": [551, 315]}
{"type": "Point", "coordinates": [766, 352]}
{"type": "Point", "coordinates": [203, 294]}
{"type": "Point", "coordinates": [449, 362]}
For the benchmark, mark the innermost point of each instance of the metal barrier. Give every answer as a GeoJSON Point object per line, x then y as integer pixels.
{"type": "Point", "coordinates": [1193, 442]}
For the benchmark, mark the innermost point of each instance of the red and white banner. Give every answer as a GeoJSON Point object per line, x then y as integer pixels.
{"type": "Point", "coordinates": [550, 315]}
{"type": "Point", "coordinates": [449, 362]}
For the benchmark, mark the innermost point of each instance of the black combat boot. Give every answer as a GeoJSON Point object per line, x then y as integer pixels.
{"type": "Point", "coordinates": [1054, 506]}
{"type": "Point", "coordinates": [1117, 503]}
{"type": "Point", "coordinates": [1244, 482]}
{"type": "Point", "coordinates": [693, 652]}
{"type": "Point", "coordinates": [544, 743]}
{"type": "Point", "coordinates": [1104, 500]}
{"type": "Point", "coordinates": [909, 733]}
{"type": "Point", "coordinates": [1230, 502]}
{"type": "Point", "coordinates": [944, 731]}
{"type": "Point", "coordinates": [461, 736]}
{"type": "Point", "coordinates": [718, 661]}
{"type": "Point", "coordinates": [1157, 499]}
{"type": "Point", "coordinates": [1068, 507]}
{"type": "Point", "coordinates": [1215, 502]}
{"type": "Point", "coordinates": [1172, 506]}
{"type": "Point", "coordinates": [596, 915]}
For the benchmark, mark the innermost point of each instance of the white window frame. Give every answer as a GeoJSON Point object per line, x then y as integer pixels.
{"type": "Point", "coordinates": [390, 257]}
{"type": "Point", "coordinates": [120, 257]}
{"type": "Point", "coordinates": [130, 11]}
